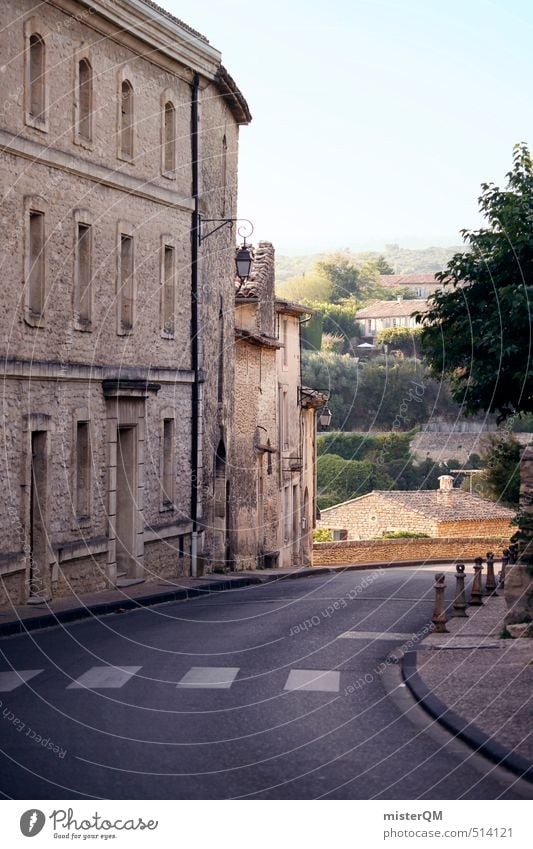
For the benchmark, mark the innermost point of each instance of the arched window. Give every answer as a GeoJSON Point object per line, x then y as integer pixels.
{"type": "Point", "coordinates": [37, 77]}
{"type": "Point", "coordinates": [126, 119]}
{"type": "Point", "coordinates": [169, 138]}
{"type": "Point", "coordinates": [85, 96]}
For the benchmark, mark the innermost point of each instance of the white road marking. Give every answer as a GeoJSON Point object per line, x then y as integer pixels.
{"type": "Point", "coordinates": [313, 679]}
{"type": "Point", "coordinates": [16, 678]}
{"type": "Point", "coordinates": [104, 678]}
{"type": "Point", "coordinates": [374, 635]}
{"type": "Point", "coordinates": [209, 677]}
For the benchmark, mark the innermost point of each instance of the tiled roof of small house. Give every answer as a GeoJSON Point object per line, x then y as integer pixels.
{"type": "Point", "coordinates": [393, 309]}
{"type": "Point", "coordinates": [392, 280]}
{"type": "Point", "coordinates": [454, 505]}
{"type": "Point", "coordinates": [449, 505]}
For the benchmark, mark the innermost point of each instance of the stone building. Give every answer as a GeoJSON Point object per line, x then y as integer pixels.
{"type": "Point", "coordinates": [437, 513]}
{"type": "Point", "coordinates": [384, 314]}
{"type": "Point", "coordinates": [119, 134]}
{"type": "Point", "coordinates": [273, 465]}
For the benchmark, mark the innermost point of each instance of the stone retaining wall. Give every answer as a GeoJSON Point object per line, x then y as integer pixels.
{"type": "Point", "coordinates": [391, 550]}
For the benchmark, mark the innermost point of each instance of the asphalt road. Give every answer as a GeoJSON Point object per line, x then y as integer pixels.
{"type": "Point", "coordinates": [252, 693]}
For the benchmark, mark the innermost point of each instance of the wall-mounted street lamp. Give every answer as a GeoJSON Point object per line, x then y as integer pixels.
{"type": "Point", "coordinates": [325, 417]}
{"type": "Point", "coordinates": [243, 257]}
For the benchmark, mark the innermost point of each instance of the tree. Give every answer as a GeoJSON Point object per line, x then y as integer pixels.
{"type": "Point", "coordinates": [501, 462]}
{"type": "Point", "coordinates": [342, 273]}
{"type": "Point", "coordinates": [383, 266]}
{"type": "Point", "coordinates": [478, 329]}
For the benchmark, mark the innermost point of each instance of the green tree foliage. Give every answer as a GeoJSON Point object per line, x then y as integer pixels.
{"type": "Point", "coordinates": [352, 464]}
{"type": "Point", "coordinates": [478, 330]}
{"type": "Point", "coordinates": [336, 319]}
{"type": "Point", "coordinates": [343, 274]}
{"type": "Point", "coordinates": [382, 394]}
{"type": "Point", "coordinates": [309, 288]}
{"type": "Point", "coordinates": [404, 339]}
{"type": "Point", "coordinates": [383, 266]}
{"type": "Point", "coordinates": [501, 464]}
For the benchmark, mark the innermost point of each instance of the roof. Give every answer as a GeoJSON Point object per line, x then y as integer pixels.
{"type": "Point", "coordinates": [312, 397]}
{"type": "Point", "coordinates": [261, 339]}
{"type": "Point", "coordinates": [292, 308]}
{"type": "Point", "coordinates": [393, 280]}
{"type": "Point", "coordinates": [392, 309]}
{"type": "Point", "coordinates": [454, 505]}
{"type": "Point", "coordinates": [262, 271]}
{"type": "Point", "coordinates": [175, 20]}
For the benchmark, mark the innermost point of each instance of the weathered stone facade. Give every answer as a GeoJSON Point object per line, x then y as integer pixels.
{"type": "Point", "coordinates": [105, 395]}
{"type": "Point", "coordinates": [273, 460]}
{"type": "Point", "coordinates": [437, 513]}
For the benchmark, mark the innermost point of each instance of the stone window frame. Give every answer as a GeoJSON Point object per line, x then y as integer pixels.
{"type": "Point", "coordinates": [125, 228]}
{"type": "Point", "coordinates": [167, 500]}
{"type": "Point", "coordinates": [168, 241]}
{"type": "Point", "coordinates": [125, 75]}
{"type": "Point", "coordinates": [81, 415]}
{"type": "Point", "coordinates": [32, 422]}
{"type": "Point", "coordinates": [88, 143]}
{"type": "Point", "coordinates": [84, 217]}
{"type": "Point", "coordinates": [168, 96]}
{"type": "Point", "coordinates": [35, 26]}
{"type": "Point", "coordinates": [37, 204]}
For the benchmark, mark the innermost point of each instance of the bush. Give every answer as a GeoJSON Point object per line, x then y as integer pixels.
{"type": "Point", "coordinates": [322, 535]}
{"type": "Point", "coordinates": [402, 535]}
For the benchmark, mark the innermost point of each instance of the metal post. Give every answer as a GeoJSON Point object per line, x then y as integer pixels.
{"type": "Point", "coordinates": [459, 602]}
{"type": "Point", "coordinates": [490, 583]}
{"type": "Point", "coordinates": [475, 592]}
{"type": "Point", "coordinates": [505, 561]}
{"type": "Point", "coordinates": [439, 615]}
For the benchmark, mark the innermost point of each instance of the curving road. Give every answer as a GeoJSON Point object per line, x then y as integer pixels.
{"type": "Point", "coordinates": [272, 691]}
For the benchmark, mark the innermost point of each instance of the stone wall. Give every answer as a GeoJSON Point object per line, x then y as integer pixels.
{"type": "Point", "coordinates": [482, 527]}
{"type": "Point", "coordinates": [395, 550]}
{"type": "Point", "coordinates": [370, 516]}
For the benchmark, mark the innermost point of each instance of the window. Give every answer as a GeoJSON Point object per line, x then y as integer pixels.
{"type": "Point", "coordinates": [168, 292]}
{"type": "Point", "coordinates": [224, 172]}
{"type": "Point", "coordinates": [285, 327]}
{"type": "Point", "coordinates": [85, 96]}
{"type": "Point", "coordinates": [36, 267]}
{"type": "Point", "coordinates": [126, 120]}
{"type": "Point", "coordinates": [220, 386]}
{"type": "Point", "coordinates": [167, 464]}
{"type": "Point", "coordinates": [125, 284]}
{"type": "Point", "coordinates": [169, 139]}
{"type": "Point", "coordinates": [82, 276]}
{"type": "Point", "coordinates": [83, 471]}
{"type": "Point", "coordinates": [36, 78]}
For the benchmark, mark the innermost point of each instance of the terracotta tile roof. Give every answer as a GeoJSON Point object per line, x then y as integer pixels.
{"type": "Point", "coordinates": [262, 271]}
{"type": "Point", "coordinates": [393, 280]}
{"type": "Point", "coordinates": [393, 309]}
{"type": "Point", "coordinates": [453, 505]}
{"type": "Point", "coordinates": [175, 20]}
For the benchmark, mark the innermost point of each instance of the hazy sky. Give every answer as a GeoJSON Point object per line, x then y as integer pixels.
{"type": "Point", "coordinates": [374, 121]}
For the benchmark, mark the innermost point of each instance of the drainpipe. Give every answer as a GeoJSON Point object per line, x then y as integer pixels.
{"type": "Point", "coordinates": [195, 399]}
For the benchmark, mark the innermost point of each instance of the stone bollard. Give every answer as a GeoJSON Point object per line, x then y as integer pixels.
{"type": "Point", "coordinates": [475, 592]}
{"type": "Point", "coordinates": [459, 602]}
{"type": "Point", "coordinates": [513, 553]}
{"type": "Point", "coordinates": [505, 561]}
{"type": "Point", "coordinates": [490, 583]}
{"type": "Point", "coordinates": [439, 615]}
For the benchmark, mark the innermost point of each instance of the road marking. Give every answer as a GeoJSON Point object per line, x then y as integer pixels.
{"type": "Point", "coordinates": [209, 677]}
{"type": "Point", "coordinates": [16, 678]}
{"type": "Point", "coordinates": [104, 678]}
{"type": "Point", "coordinates": [374, 635]}
{"type": "Point", "coordinates": [313, 679]}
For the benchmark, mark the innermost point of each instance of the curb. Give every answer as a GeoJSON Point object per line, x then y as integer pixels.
{"type": "Point", "coordinates": [75, 614]}
{"type": "Point", "coordinates": [460, 727]}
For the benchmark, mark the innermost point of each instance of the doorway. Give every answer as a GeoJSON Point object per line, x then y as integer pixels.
{"type": "Point", "coordinates": [127, 508]}
{"type": "Point", "coordinates": [38, 542]}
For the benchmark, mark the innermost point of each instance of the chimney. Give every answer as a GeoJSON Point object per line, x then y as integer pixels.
{"type": "Point", "coordinates": [445, 483]}
{"type": "Point", "coordinates": [399, 298]}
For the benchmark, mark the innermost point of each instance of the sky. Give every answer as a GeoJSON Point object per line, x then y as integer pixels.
{"type": "Point", "coordinates": [374, 121]}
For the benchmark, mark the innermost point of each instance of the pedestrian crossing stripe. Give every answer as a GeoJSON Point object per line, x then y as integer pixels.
{"type": "Point", "coordinates": [9, 681]}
